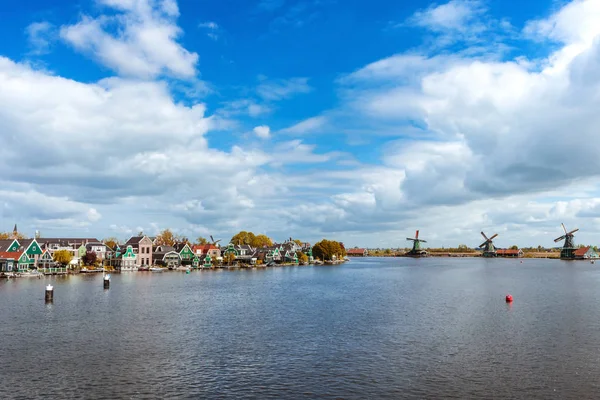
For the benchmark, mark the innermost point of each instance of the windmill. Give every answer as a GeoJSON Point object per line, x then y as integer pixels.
{"type": "Point", "coordinates": [568, 250]}
{"type": "Point", "coordinates": [488, 246]}
{"type": "Point", "coordinates": [416, 250]}
{"type": "Point", "coordinates": [213, 241]}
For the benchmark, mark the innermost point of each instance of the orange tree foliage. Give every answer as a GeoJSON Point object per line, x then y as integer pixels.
{"type": "Point", "coordinates": [326, 249]}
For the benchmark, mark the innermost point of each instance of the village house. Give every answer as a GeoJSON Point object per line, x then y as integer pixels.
{"type": "Point", "coordinates": [142, 247]}
{"type": "Point", "coordinates": [186, 255]}
{"type": "Point", "coordinates": [585, 253]}
{"type": "Point", "coordinates": [357, 252]}
{"type": "Point", "coordinates": [509, 253]}
{"type": "Point", "coordinates": [166, 256]}
{"type": "Point", "coordinates": [207, 253]}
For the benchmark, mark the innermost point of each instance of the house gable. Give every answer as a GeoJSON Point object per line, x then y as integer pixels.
{"type": "Point", "coordinates": [129, 253]}
{"type": "Point", "coordinates": [14, 246]}
{"type": "Point", "coordinates": [33, 249]}
{"type": "Point", "coordinates": [146, 241]}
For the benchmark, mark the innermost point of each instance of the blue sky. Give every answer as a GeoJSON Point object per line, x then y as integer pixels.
{"type": "Point", "coordinates": [360, 121]}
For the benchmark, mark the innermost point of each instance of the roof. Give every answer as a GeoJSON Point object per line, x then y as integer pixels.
{"type": "Point", "coordinates": [66, 240]}
{"type": "Point", "coordinates": [134, 240]}
{"type": "Point", "coordinates": [507, 252]}
{"type": "Point", "coordinates": [355, 251]}
{"type": "Point", "coordinates": [204, 248]}
{"type": "Point", "coordinates": [581, 251]}
{"type": "Point", "coordinates": [11, 254]}
{"type": "Point", "coordinates": [4, 243]}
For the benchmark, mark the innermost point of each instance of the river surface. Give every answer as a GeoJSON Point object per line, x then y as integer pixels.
{"type": "Point", "coordinates": [372, 328]}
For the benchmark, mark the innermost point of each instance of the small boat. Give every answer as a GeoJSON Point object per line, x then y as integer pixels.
{"type": "Point", "coordinates": [143, 269]}
{"type": "Point", "coordinates": [156, 269]}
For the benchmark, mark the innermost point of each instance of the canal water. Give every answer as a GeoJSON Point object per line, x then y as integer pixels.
{"type": "Point", "coordinates": [373, 328]}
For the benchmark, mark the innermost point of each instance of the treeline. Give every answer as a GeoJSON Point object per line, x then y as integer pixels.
{"type": "Point", "coordinates": [326, 250]}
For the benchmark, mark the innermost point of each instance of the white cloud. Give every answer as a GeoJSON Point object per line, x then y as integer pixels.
{"type": "Point", "coordinates": [454, 15]}
{"type": "Point", "coordinates": [280, 89]}
{"type": "Point", "coordinates": [140, 41]}
{"type": "Point", "coordinates": [306, 126]}
{"type": "Point", "coordinates": [212, 29]}
{"type": "Point", "coordinates": [263, 131]}
{"type": "Point", "coordinates": [40, 35]}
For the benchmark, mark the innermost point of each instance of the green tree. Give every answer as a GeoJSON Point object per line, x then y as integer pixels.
{"type": "Point", "coordinates": [63, 257]}
{"type": "Point", "coordinates": [514, 247]}
{"type": "Point", "coordinates": [200, 240]}
{"type": "Point", "coordinates": [388, 251]}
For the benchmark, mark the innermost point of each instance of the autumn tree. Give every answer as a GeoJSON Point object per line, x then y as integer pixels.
{"type": "Point", "coordinates": [63, 257]}
{"type": "Point", "coordinates": [302, 258]}
{"type": "Point", "coordinates": [262, 241]}
{"type": "Point", "coordinates": [165, 238]}
{"type": "Point", "coordinates": [326, 249]}
{"type": "Point", "coordinates": [111, 242]}
{"type": "Point", "coordinates": [10, 235]}
{"type": "Point", "coordinates": [201, 240]}
{"type": "Point", "coordinates": [229, 258]}
{"type": "Point", "coordinates": [249, 238]}
{"type": "Point", "coordinates": [298, 242]}
{"type": "Point", "coordinates": [90, 258]}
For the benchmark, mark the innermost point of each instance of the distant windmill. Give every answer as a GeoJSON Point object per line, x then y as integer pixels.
{"type": "Point", "coordinates": [214, 242]}
{"type": "Point", "coordinates": [568, 250]}
{"type": "Point", "coordinates": [416, 249]}
{"type": "Point", "coordinates": [488, 246]}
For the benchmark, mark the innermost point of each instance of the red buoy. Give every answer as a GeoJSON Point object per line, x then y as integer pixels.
{"type": "Point", "coordinates": [509, 298]}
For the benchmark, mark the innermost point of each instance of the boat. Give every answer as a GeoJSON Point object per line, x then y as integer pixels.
{"type": "Point", "coordinates": [156, 269]}
{"type": "Point", "coordinates": [143, 269]}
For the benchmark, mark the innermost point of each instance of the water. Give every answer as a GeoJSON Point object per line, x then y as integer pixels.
{"type": "Point", "coordinates": [373, 328]}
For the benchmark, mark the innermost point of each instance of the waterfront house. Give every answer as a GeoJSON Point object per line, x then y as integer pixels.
{"type": "Point", "coordinates": [166, 256]}
{"type": "Point", "coordinates": [509, 253]}
{"type": "Point", "coordinates": [187, 255]}
{"type": "Point", "coordinates": [129, 259]}
{"type": "Point", "coordinates": [203, 249]}
{"type": "Point", "coordinates": [242, 253]}
{"type": "Point", "coordinates": [142, 247]}
{"type": "Point", "coordinates": [357, 252]}
{"type": "Point", "coordinates": [9, 261]}
{"type": "Point", "coordinates": [584, 253]}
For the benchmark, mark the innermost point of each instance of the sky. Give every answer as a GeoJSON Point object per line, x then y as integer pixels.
{"type": "Point", "coordinates": [348, 120]}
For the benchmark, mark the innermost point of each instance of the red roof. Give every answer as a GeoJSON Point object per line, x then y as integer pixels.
{"type": "Point", "coordinates": [203, 248]}
{"type": "Point", "coordinates": [581, 252]}
{"type": "Point", "coordinates": [355, 251]}
{"type": "Point", "coordinates": [11, 254]}
{"type": "Point", "coordinates": [508, 252]}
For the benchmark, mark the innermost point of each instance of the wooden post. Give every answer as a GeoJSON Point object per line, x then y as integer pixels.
{"type": "Point", "coordinates": [49, 294]}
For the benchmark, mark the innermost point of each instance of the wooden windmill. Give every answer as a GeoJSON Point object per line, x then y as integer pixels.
{"type": "Point", "coordinates": [488, 246]}
{"type": "Point", "coordinates": [416, 250]}
{"type": "Point", "coordinates": [568, 250]}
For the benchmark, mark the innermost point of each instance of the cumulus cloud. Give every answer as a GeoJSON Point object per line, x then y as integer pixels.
{"type": "Point", "coordinates": [139, 41]}
{"type": "Point", "coordinates": [263, 131]}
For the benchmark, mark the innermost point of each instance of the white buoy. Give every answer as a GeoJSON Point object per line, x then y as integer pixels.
{"type": "Point", "coordinates": [107, 281]}
{"type": "Point", "coordinates": [49, 293]}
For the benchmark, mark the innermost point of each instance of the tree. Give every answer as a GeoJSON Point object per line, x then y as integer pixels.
{"type": "Point", "coordinates": [111, 242]}
{"type": "Point", "coordinates": [302, 258]}
{"type": "Point", "coordinates": [165, 238]}
{"type": "Point", "coordinates": [201, 240]}
{"type": "Point", "coordinates": [9, 235]}
{"type": "Point", "coordinates": [262, 241]}
{"type": "Point", "coordinates": [326, 249]}
{"type": "Point", "coordinates": [249, 238]}
{"type": "Point", "coordinates": [63, 257]}
{"type": "Point", "coordinates": [90, 258]}
{"type": "Point", "coordinates": [229, 258]}
{"type": "Point", "coordinates": [514, 247]}
{"type": "Point", "coordinates": [298, 242]}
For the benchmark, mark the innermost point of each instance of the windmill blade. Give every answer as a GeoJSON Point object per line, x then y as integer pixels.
{"type": "Point", "coordinates": [211, 238]}
{"type": "Point", "coordinates": [410, 239]}
{"type": "Point", "coordinates": [485, 237]}
{"type": "Point", "coordinates": [564, 229]}
{"type": "Point", "coordinates": [216, 241]}
{"type": "Point", "coordinates": [560, 238]}
{"type": "Point", "coordinates": [423, 241]}
{"type": "Point", "coordinates": [573, 231]}
{"type": "Point", "coordinates": [494, 236]}
{"type": "Point", "coordinates": [417, 234]}
{"type": "Point", "coordinates": [483, 244]}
